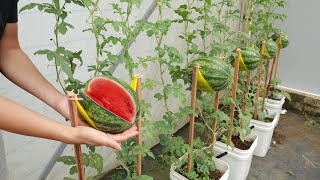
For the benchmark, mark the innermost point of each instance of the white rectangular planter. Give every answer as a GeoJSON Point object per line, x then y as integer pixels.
{"type": "Point", "coordinates": [264, 130]}
{"type": "Point", "coordinates": [221, 166]}
{"type": "Point", "coordinates": [274, 105]}
{"type": "Point", "coordinates": [239, 160]}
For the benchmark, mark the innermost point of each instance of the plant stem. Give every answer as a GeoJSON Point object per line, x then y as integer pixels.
{"type": "Point", "coordinates": [56, 32]}
{"type": "Point", "coordinates": [96, 35]}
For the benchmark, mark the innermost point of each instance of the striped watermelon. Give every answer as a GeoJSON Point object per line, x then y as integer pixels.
{"type": "Point", "coordinates": [283, 41]}
{"type": "Point", "coordinates": [271, 48]}
{"type": "Point", "coordinates": [213, 75]}
{"type": "Point", "coordinates": [111, 103]}
{"type": "Point", "coordinates": [250, 57]}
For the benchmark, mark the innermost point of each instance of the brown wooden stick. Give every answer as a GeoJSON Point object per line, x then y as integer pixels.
{"type": "Point", "coordinates": [193, 108]}
{"type": "Point", "coordinates": [214, 123]}
{"type": "Point", "coordinates": [244, 106]}
{"type": "Point", "coordinates": [256, 104]}
{"type": "Point", "coordinates": [234, 93]}
{"type": "Point", "coordinates": [265, 83]}
{"type": "Point", "coordinates": [277, 64]}
{"type": "Point", "coordinates": [75, 122]}
{"type": "Point", "coordinates": [139, 126]}
{"type": "Point", "coordinates": [270, 77]}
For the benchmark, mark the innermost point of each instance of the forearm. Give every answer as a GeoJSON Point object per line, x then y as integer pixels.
{"type": "Point", "coordinates": [18, 119]}
{"type": "Point", "coordinates": [17, 67]}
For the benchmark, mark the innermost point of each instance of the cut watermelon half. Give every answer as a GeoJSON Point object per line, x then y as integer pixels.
{"type": "Point", "coordinates": [111, 103]}
{"type": "Point", "coordinates": [113, 97]}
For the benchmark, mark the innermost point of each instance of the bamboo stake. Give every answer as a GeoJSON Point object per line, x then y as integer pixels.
{"type": "Point", "coordinates": [244, 106]}
{"type": "Point", "coordinates": [214, 124]}
{"type": "Point", "coordinates": [234, 94]}
{"type": "Point", "coordinates": [271, 73]}
{"type": "Point", "coordinates": [193, 108]}
{"type": "Point", "coordinates": [75, 122]}
{"type": "Point", "coordinates": [277, 64]}
{"type": "Point", "coordinates": [256, 104]}
{"type": "Point", "coordinates": [139, 126]}
{"type": "Point", "coordinates": [265, 83]}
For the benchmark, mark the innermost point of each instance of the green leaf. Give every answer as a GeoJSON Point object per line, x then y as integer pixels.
{"type": "Point", "coordinates": [150, 33]}
{"type": "Point", "coordinates": [57, 4]}
{"type": "Point", "coordinates": [78, 2]}
{"type": "Point", "coordinates": [158, 96]}
{"type": "Point", "coordinates": [144, 177]}
{"type": "Point", "coordinates": [28, 7]}
{"type": "Point", "coordinates": [96, 162]}
{"type": "Point", "coordinates": [73, 170]}
{"type": "Point", "coordinates": [42, 52]}
{"type": "Point", "coordinates": [115, 26]}
{"type": "Point", "coordinates": [68, 178]}
{"type": "Point", "coordinates": [87, 3]}
{"type": "Point", "coordinates": [67, 160]}
{"type": "Point", "coordinates": [62, 62]}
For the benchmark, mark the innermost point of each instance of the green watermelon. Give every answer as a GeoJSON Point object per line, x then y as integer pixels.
{"type": "Point", "coordinates": [111, 103]}
{"type": "Point", "coordinates": [250, 56]}
{"type": "Point", "coordinates": [271, 48]}
{"type": "Point", "coordinates": [216, 74]}
{"type": "Point", "coordinates": [284, 39]}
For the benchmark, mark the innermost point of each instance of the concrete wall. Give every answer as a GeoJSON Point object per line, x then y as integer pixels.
{"type": "Point", "coordinates": [27, 156]}
{"type": "Point", "coordinates": [299, 62]}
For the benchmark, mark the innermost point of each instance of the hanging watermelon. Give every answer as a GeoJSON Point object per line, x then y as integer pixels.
{"type": "Point", "coordinates": [249, 58]}
{"type": "Point", "coordinates": [281, 38]}
{"type": "Point", "coordinates": [213, 75]}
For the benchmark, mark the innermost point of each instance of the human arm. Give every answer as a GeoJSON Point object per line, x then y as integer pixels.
{"type": "Point", "coordinates": [18, 119]}
{"type": "Point", "coordinates": [18, 68]}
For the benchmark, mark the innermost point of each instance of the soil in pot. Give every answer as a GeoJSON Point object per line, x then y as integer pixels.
{"type": "Point", "coordinates": [267, 119]}
{"type": "Point", "coordinates": [214, 175]}
{"type": "Point", "coordinates": [241, 145]}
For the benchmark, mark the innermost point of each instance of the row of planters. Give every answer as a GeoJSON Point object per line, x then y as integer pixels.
{"type": "Point", "coordinates": [236, 151]}
{"type": "Point", "coordinates": [233, 115]}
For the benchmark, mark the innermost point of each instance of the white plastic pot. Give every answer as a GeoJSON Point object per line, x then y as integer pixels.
{"type": "Point", "coordinates": [239, 160]}
{"type": "Point", "coordinates": [274, 105]}
{"type": "Point", "coordinates": [264, 130]}
{"type": "Point", "coordinates": [220, 165]}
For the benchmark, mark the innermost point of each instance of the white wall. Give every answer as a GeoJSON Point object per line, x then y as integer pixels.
{"type": "Point", "coordinates": [27, 156]}
{"type": "Point", "coordinates": [299, 62]}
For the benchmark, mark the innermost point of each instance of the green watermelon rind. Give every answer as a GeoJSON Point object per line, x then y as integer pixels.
{"type": "Point", "coordinates": [284, 38]}
{"type": "Point", "coordinates": [251, 57]}
{"type": "Point", "coordinates": [103, 119]}
{"type": "Point", "coordinates": [272, 48]}
{"type": "Point", "coordinates": [216, 72]}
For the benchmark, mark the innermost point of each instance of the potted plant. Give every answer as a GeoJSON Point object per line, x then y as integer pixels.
{"type": "Point", "coordinates": [201, 163]}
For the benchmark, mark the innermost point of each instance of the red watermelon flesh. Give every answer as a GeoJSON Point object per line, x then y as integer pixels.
{"type": "Point", "coordinates": [111, 96]}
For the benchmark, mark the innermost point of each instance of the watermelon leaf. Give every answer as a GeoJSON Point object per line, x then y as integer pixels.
{"type": "Point", "coordinates": [67, 160]}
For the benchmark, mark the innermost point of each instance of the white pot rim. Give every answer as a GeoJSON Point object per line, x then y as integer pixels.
{"type": "Point", "coordinates": [236, 152]}
{"type": "Point", "coordinates": [221, 166]}
{"type": "Point", "coordinates": [265, 126]}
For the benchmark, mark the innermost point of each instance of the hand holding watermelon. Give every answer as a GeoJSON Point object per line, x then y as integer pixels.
{"type": "Point", "coordinates": [90, 136]}
{"type": "Point", "coordinates": [85, 134]}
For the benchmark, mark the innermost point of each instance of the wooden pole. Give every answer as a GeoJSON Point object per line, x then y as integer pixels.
{"type": "Point", "coordinates": [75, 122]}
{"type": "Point", "coordinates": [271, 73]}
{"type": "Point", "coordinates": [234, 94]}
{"type": "Point", "coordinates": [244, 106]}
{"type": "Point", "coordinates": [277, 64]}
{"type": "Point", "coordinates": [214, 123]}
{"type": "Point", "coordinates": [256, 104]}
{"type": "Point", "coordinates": [193, 108]}
{"type": "Point", "coordinates": [139, 126]}
{"type": "Point", "coordinates": [265, 83]}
